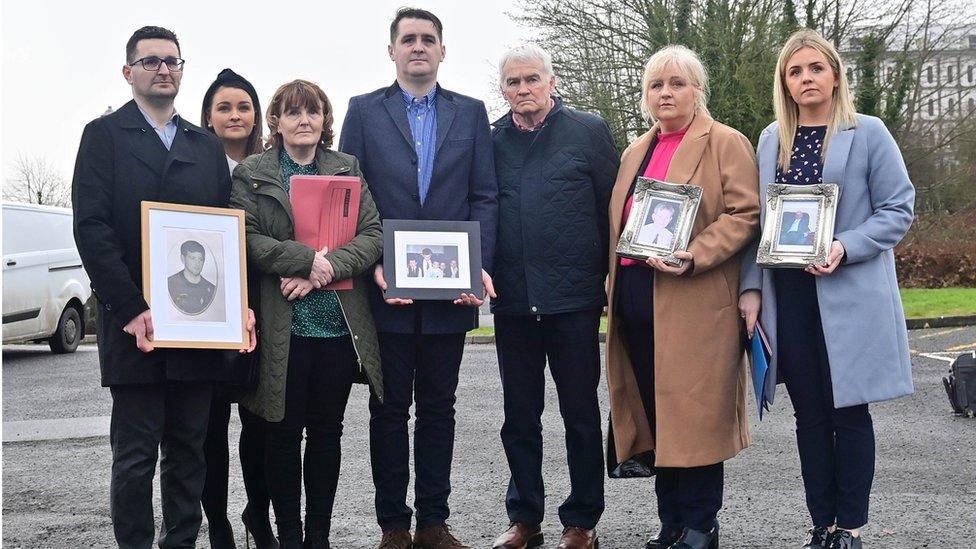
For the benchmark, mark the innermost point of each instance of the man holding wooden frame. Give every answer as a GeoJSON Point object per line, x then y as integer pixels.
{"type": "Point", "coordinates": [160, 398]}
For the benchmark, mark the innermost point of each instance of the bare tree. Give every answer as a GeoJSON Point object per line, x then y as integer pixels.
{"type": "Point", "coordinates": [36, 181]}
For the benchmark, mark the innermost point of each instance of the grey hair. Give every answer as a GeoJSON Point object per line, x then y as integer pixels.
{"type": "Point", "coordinates": [525, 52]}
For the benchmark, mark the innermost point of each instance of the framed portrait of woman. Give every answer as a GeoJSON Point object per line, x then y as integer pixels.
{"type": "Point", "coordinates": [194, 275]}
{"type": "Point", "coordinates": [798, 226]}
{"type": "Point", "coordinates": [660, 220]}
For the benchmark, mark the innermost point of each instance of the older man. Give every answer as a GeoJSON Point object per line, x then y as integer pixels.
{"type": "Point", "coordinates": [556, 167]}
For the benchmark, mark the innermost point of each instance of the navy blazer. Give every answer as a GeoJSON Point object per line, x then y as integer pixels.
{"type": "Point", "coordinates": [462, 187]}
{"type": "Point", "coordinates": [121, 162]}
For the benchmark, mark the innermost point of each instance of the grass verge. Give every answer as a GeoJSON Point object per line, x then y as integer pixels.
{"type": "Point", "coordinates": [918, 303]}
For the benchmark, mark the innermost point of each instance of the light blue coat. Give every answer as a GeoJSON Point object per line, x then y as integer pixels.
{"type": "Point", "coordinates": [860, 307]}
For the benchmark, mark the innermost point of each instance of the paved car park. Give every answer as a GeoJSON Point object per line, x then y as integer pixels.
{"type": "Point", "coordinates": [56, 463]}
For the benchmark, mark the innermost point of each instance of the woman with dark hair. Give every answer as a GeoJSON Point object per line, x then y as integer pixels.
{"type": "Point", "coordinates": [231, 111]}
{"type": "Point", "coordinates": [314, 343]}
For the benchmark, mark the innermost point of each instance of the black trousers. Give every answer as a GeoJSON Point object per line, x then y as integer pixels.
{"type": "Point", "coordinates": [321, 372]}
{"type": "Point", "coordinates": [836, 445]}
{"type": "Point", "coordinates": [251, 449]}
{"type": "Point", "coordinates": [571, 344]}
{"type": "Point", "coordinates": [421, 368]}
{"type": "Point", "coordinates": [686, 496]}
{"type": "Point", "coordinates": [170, 419]}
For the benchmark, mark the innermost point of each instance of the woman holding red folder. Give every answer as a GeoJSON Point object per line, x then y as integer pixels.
{"type": "Point", "coordinates": [314, 343]}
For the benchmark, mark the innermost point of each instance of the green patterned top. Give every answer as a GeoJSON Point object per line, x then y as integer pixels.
{"type": "Point", "coordinates": [318, 314]}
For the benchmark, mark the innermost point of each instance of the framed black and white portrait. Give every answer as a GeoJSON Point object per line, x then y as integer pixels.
{"type": "Point", "coordinates": [194, 275]}
{"type": "Point", "coordinates": [431, 260]}
{"type": "Point", "coordinates": [660, 220]}
{"type": "Point", "coordinates": [798, 226]}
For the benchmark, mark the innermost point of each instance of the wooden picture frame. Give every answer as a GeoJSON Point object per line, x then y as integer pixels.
{"type": "Point", "coordinates": [194, 275]}
{"type": "Point", "coordinates": [418, 256]}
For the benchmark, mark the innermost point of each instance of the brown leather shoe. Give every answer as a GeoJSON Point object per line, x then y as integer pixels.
{"type": "Point", "coordinates": [396, 539]}
{"type": "Point", "coordinates": [575, 537]}
{"type": "Point", "coordinates": [436, 537]}
{"type": "Point", "coordinates": [520, 536]}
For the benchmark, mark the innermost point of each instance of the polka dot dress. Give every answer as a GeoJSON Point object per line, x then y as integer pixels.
{"type": "Point", "coordinates": [318, 314]}
{"type": "Point", "coordinates": [806, 166]}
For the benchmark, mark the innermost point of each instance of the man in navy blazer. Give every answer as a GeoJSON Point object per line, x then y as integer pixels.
{"type": "Point", "coordinates": [427, 154]}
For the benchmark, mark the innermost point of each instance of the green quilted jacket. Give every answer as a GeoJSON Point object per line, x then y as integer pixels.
{"type": "Point", "coordinates": [272, 253]}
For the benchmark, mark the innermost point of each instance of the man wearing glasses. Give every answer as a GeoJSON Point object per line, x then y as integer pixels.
{"type": "Point", "coordinates": [160, 398]}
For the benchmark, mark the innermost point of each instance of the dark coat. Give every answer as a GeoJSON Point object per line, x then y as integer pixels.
{"type": "Point", "coordinates": [273, 253]}
{"type": "Point", "coordinates": [462, 186]}
{"type": "Point", "coordinates": [553, 204]}
{"type": "Point", "coordinates": [121, 162]}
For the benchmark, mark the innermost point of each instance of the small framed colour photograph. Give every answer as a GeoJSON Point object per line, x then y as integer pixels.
{"type": "Point", "coordinates": [798, 226]}
{"type": "Point", "coordinates": [194, 275]}
{"type": "Point", "coordinates": [431, 260]}
{"type": "Point", "coordinates": [660, 220]}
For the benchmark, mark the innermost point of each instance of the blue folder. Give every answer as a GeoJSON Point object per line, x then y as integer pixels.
{"type": "Point", "coordinates": [759, 357]}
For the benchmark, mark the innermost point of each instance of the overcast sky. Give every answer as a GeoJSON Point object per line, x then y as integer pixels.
{"type": "Point", "coordinates": [62, 61]}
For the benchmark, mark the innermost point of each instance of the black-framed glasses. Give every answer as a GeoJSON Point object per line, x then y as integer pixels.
{"type": "Point", "coordinates": [152, 63]}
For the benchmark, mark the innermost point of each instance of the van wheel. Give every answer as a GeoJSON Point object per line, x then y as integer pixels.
{"type": "Point", "coordinates": [68, 334]}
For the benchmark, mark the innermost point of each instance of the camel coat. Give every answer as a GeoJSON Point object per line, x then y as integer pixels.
{"type": "Point", "coordinates": [699, 364]}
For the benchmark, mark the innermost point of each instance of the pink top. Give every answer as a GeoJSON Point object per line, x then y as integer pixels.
{"type": "Point", "coordinates": [657, 168]}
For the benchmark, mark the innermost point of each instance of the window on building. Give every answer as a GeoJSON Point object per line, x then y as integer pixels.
{"type": "Point", "coordinates": [972, 41]}
{"type": "Point", "coordinates": [928, 74]}
{"type": "Point", "coordinates": [931, 107]}
{"type": "Point", "coordinates": [952, 106]}
{"type": "Point", "coordinates": [969, 74]}
{"type": "Point", "coordinates": [972, 104]}
{"type": "Point", "coordinates": [951, 73]}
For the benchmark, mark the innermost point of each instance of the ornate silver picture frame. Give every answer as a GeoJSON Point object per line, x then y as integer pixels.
{"type": "Point", "coordinates": [798, 226]}
{"type": "Point", "coordinates": [660, 220]}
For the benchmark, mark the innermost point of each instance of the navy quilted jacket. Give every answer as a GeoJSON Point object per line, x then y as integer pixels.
{"type": "Point", "coordinates": [553, 202]}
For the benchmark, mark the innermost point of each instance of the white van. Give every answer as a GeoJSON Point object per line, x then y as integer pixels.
{"type": "Point", "coordinates": [44, 285]}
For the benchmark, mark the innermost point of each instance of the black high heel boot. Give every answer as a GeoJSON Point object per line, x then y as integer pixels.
{"type": "Point", "coordinates": [665, 538]}
{"type": "Point", "coordinates": [260, 528]}
{"type": "Point", "coordinates": [696, 539]}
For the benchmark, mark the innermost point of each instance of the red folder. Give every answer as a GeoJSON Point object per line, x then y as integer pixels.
{"type": "Point", "coordinates": [326, 211]}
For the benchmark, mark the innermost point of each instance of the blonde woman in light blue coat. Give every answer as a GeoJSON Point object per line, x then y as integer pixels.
{"type": "Point", "coordinates": [837, 330]}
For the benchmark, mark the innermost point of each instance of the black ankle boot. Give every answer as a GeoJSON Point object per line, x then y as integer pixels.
{"type": "Point", "coordinates": [316, 533]}
{"type": "Point", "coordinates": [696, 539]}
{"type": "Point", "coordinates": [258, 526]}
{"type": "Point", "coordinates": [665, 538]}
{"type": "Point", "coordinates": [819, 538]}
{"type": "Point", "coordinates": [842, 539]}
{"type": "Point", "coordinates": [221, 534]}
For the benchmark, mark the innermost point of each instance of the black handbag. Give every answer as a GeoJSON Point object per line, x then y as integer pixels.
{"type": "Point", "coordinates": [638, 466]}
{"type": "Point", "coordinates": [960, 386]}
{"type": "Point", "coordinates": [244, 368]}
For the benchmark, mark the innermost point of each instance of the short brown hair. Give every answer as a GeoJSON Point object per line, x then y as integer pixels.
{"type": "Point", "coordinates": [148, 32]}
{"type": "Point", "coordinates": [300, 93]}
{"type": "Point", "coordinates": [415, 13]}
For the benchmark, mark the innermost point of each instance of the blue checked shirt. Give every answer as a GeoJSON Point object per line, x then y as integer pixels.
{"type": "Point", "coordinates": [167, 133]}
{"type": "Point", "coordinates": [422, 116]}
